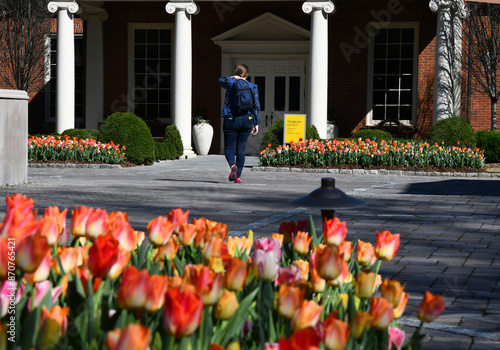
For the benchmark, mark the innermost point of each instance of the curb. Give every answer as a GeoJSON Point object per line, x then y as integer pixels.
{"type": "Point", "coordinates": [375, 172]}
{"type": "Point", "coordinates": [74, 165]}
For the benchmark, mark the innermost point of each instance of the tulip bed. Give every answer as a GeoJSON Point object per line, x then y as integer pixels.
{"type": "Point", "coordinates": [63, 148]}
{"type": "Point", "coordinates": [189, 286]}
{"type": "Point", "coordinates": [367, 153]}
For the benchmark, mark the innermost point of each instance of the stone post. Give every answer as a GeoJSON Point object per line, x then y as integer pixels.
{"type": "Point", "coordinates": [318, 63]}
{"type": "Point", "coordinates": [65, 94]}
{"type": "Point", "coordinates": [94, 89]}
{"type": "Point", "coordinates": [183, 74]}
{"type": "Point", "coordinates": [13, 137]}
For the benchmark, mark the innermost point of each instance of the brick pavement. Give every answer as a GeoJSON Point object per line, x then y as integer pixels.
{"type": "Point", "coordinates": [449, 225]}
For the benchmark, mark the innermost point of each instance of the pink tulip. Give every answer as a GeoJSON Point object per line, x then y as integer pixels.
{"type": "Point", "coordinates": [396, 338]}
{"type": "Point", "coordinates": [267, 264]}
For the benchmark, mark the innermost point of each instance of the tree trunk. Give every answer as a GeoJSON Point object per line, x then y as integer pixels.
{"type": "Point", "coordinates": [494, 114]}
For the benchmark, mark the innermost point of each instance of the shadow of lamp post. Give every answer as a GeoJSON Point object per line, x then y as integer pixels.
{"type": "Point", "coordinates": [328, 199]}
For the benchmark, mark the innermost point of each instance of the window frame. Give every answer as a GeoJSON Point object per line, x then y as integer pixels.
{"type": "Point", "coordinates": [131, 60]}
{"type": "Point", "coordinates": [371, 60]}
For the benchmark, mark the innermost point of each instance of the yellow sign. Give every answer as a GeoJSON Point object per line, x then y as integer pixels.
{"type": "Point", "coordinates": [295, 128]}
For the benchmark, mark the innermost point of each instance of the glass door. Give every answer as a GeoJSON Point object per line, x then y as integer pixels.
{"type": "Point", "coordinates": [281, 91]}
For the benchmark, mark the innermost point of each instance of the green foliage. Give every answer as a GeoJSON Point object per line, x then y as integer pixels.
{"type": "Point", "coordinates": [372, 134]}
{"type": "Point", "coordinates": [129, 130]}
{"type": "Point", "coordinates": [489, 142]}
{"type": "Point", "coordinates": [173, 138]}
{"type": "Point", "coordinates": [165, 150]}
{"type": "Point", "coordinates": [452, 131]}
{"type": "Point", "coordinates": [82, 133]}
{"type": "Point", "coordinates": [274, 135]}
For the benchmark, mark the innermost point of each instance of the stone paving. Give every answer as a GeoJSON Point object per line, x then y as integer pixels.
{"type": "Point", "coordinates": [449, 224]}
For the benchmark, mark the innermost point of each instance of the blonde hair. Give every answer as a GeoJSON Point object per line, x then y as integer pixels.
{"type": "Point", "coordinates": [241, 70]}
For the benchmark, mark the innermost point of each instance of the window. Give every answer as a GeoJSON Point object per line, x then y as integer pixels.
{"type": "Point", "coordinates": [151, 71]}
{"type": "Point", "coordinates": [393, 77]}
{"type": "Point", "coordinates": [51, 80]}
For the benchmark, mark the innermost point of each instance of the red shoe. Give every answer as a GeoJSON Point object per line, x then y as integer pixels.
{"type": "Point", "coordinates": [234, 172]}
{"type": "Point", "coordinates": [237, 180]}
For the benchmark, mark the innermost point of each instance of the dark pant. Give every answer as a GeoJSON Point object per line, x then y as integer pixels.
{"type": "Point", "coordinates": [236, 132]}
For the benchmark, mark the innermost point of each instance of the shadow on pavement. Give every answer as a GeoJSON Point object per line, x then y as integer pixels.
{"type": "Point", "coordinates": [456, 187]}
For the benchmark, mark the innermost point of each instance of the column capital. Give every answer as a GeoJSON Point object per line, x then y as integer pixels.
{"type": "Point", "coordinates": [55, 6]}
{"type": "Point", "coordinates": [182, 5]}
{"type": "Point", "coordinates": [93, 12]}
{"type": "Point", "coordinates": [457, 5]}
{"type": "Point", "coordinates": [313, 5]}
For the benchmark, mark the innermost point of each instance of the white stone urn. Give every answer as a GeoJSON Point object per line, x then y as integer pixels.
{"type": "Point", "coordinates": [332, 131]}
{"type": "Point", "coordinates": [202, 136]}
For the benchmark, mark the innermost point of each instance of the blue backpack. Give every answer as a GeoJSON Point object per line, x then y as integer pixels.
{"type": "Point", "coordinates": [243, 100]}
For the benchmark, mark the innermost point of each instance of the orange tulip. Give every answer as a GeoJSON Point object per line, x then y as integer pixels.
{"type": "Point", "coordinates": [42, 272]}
{"type": "Point", "coordinates": [398, 311]}
{"type": "Point", "coordinates": [307, 315]}
{"type": "Point", "coordinates": [381, 312]}
{"type": "Point", "coordinates": [345, 250]}
{"type": "Point", "coordinates": [289, 300]}
{"type": "Point", "coordinates": [365, 284]}
{"type": "Point", "coordinates": [361, 321]}
{"type": "Point", "coordinates": [236, 274]}
{"type": "Point", "coordinates": [392, 291]}
{"type": "Point", "coordinates": [156, 293]}
{"type": "Point", "coordinates": [4, 258]}
{"type": "Point", "coordinates": [68, 258]}
{"type": "Point", "coordinates": [304, 339]}
{"type": "Point", "coordinates": [328, 262]}
{"type": "Point", "coordinates": [226, 306]}
{"type": "Point", "coordinates": [132, 336]}
{"type": "Point", "coordinates": [178, 218]}
{"type": "Point", "coordinates": [79, 221]}
{"type": "Point", "coordinates": [212, 247]}
{"type": "Point", "coordinates": [120, 263]}
{"type": "Point", "coordinates": [97, 224]}
{"type": "Point", "coordinates": [216, 229]}
{"type": "Point", "coordinates": [187, 234]}
{"type": "Point", "coordinates": [334, 231]}
{"type": "Point", "coordinates": [365, 254]}
{"type": "Point", "coordinates": [318, 283]}
{"type": "Point", "coordinates": [103, 255]}
{"type": "Point", "coordinates": [182, 312]}
{"type": "Point", "coordinates": [301, 243]}
{"type": "Point", "coordinates": [344, 277]}
{"type": "Point", "coordinates": [336, 334]}
{"type": "Point", "coordinates": [303, 267]}
{"type": "Point", "coordinates": [30, 252]}
{"type": "Point", "coordinates": [19, 202]}
{"type": "Point", "coordinates": [208, 284]}
{"type": "Point", "coordinates": [169, 250]}
{"type": "Point", "coordinates": [60, 219]}
{"type": "Point", "coordinates": [201, 231]}
{"type": "Point", "coordinates": [58, 314]}
{"type": "Point", "coordinates": [134, 289]}
{"type": "Point", "coordinates": [19, 225]}
{"type": "Point", "coordinates": [387, 245]}
{"type": "Point", "coordinates": [430, 308]}
{"type": "Point", "coordinates": [216, 347]}
{"type": "Point", "coordinates": [160, 230]}
{"type": "Point", "coordinates": [123, 232]}
{"type": "Point", "coordinates": [278, 237]}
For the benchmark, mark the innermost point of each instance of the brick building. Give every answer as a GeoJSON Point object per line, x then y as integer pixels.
{"type": "Point", "coordinates": [356, 62]}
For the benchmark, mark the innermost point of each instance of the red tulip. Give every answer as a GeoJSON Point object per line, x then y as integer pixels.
{"type": "Point", "coordinates": [123, 232]}
{"type": "Point", "coordinates": [208, 284]}
{"type": "Point", "coordinates": [120, 263]}
{"type": "Point", "coordinates": [156, 294]}
{"type": "Point", "coordinates": [334, 231]}
{"type": "Point", "coordinates": [4, 258]}
{"type": "Point", "coordinates": [19, 202]}
{"type": "Point", "coordinates": [97, 224]}
{"type": "Point", "coordinates": [133, 290]}
{"type": "Point", "coordinates": [160, 230]}
{"type": "Point", "coordinates": [178, 218]}
{"type": "Point", "coordinates": [287, 229]}
{"type": "Point", "coordinates": [305, 339]}
{"type": "Point", "coordinates": [103, 255]}
{"type": "Point", "coordinates": [430, 308]}
{"type": "Point", "coordinates": [182, 312]}
{"type": "Point", "coordinates": [19, 225]}
{"type": "Point", "coordinates": [387, 245]}
{"type": "Point", "coordinates": [289, 275]}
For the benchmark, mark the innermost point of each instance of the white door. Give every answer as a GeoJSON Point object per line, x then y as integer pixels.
{"type": "Point", "coordinates": [281, 91]}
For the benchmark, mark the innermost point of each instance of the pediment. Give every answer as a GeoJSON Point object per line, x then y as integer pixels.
{"type": "Point", "coordinates": [267, 27]}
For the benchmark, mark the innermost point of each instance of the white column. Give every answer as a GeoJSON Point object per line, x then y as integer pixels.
{"type": "Point", "coordinates": [459, 14]}
{"type": "Point", "coordinates": [318, 63]}
{"type": "Point", "coordinates": [94, 80]}
{"type": "Point", "coordinates": [65, 94]}
{"type": "Point", "coordinates": [183, 11]}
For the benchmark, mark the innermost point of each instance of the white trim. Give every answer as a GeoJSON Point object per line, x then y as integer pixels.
{"type": "Point", "coordinates": [130, 64]}
{"type": "Point", "coordinates": [369, 89]}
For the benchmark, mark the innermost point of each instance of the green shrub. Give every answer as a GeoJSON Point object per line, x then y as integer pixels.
{"type": "Point", "coordinates": [274, 135]}
{"type": "Point", "coordinates": [129, 130]}
{"type": "Point", "coordinates": [82, 133]}
{"type": "Point", "coordinates": [173, 138]}
{"type": "Point", "coordinates": [489, 142]}
{"type": "Point", "coordinates": [372, 134]}
{"type": "Point", "coordinates": [451, 131]}
{"type": "Point", "coordinates": [162, 151]}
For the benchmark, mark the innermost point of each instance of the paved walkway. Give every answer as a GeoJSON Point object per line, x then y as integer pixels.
{"type": "Point", "coordinates": [449, 225]}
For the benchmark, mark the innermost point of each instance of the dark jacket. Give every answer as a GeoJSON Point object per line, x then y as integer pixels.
{"type": "Point", "coordinates": [227, 83]}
